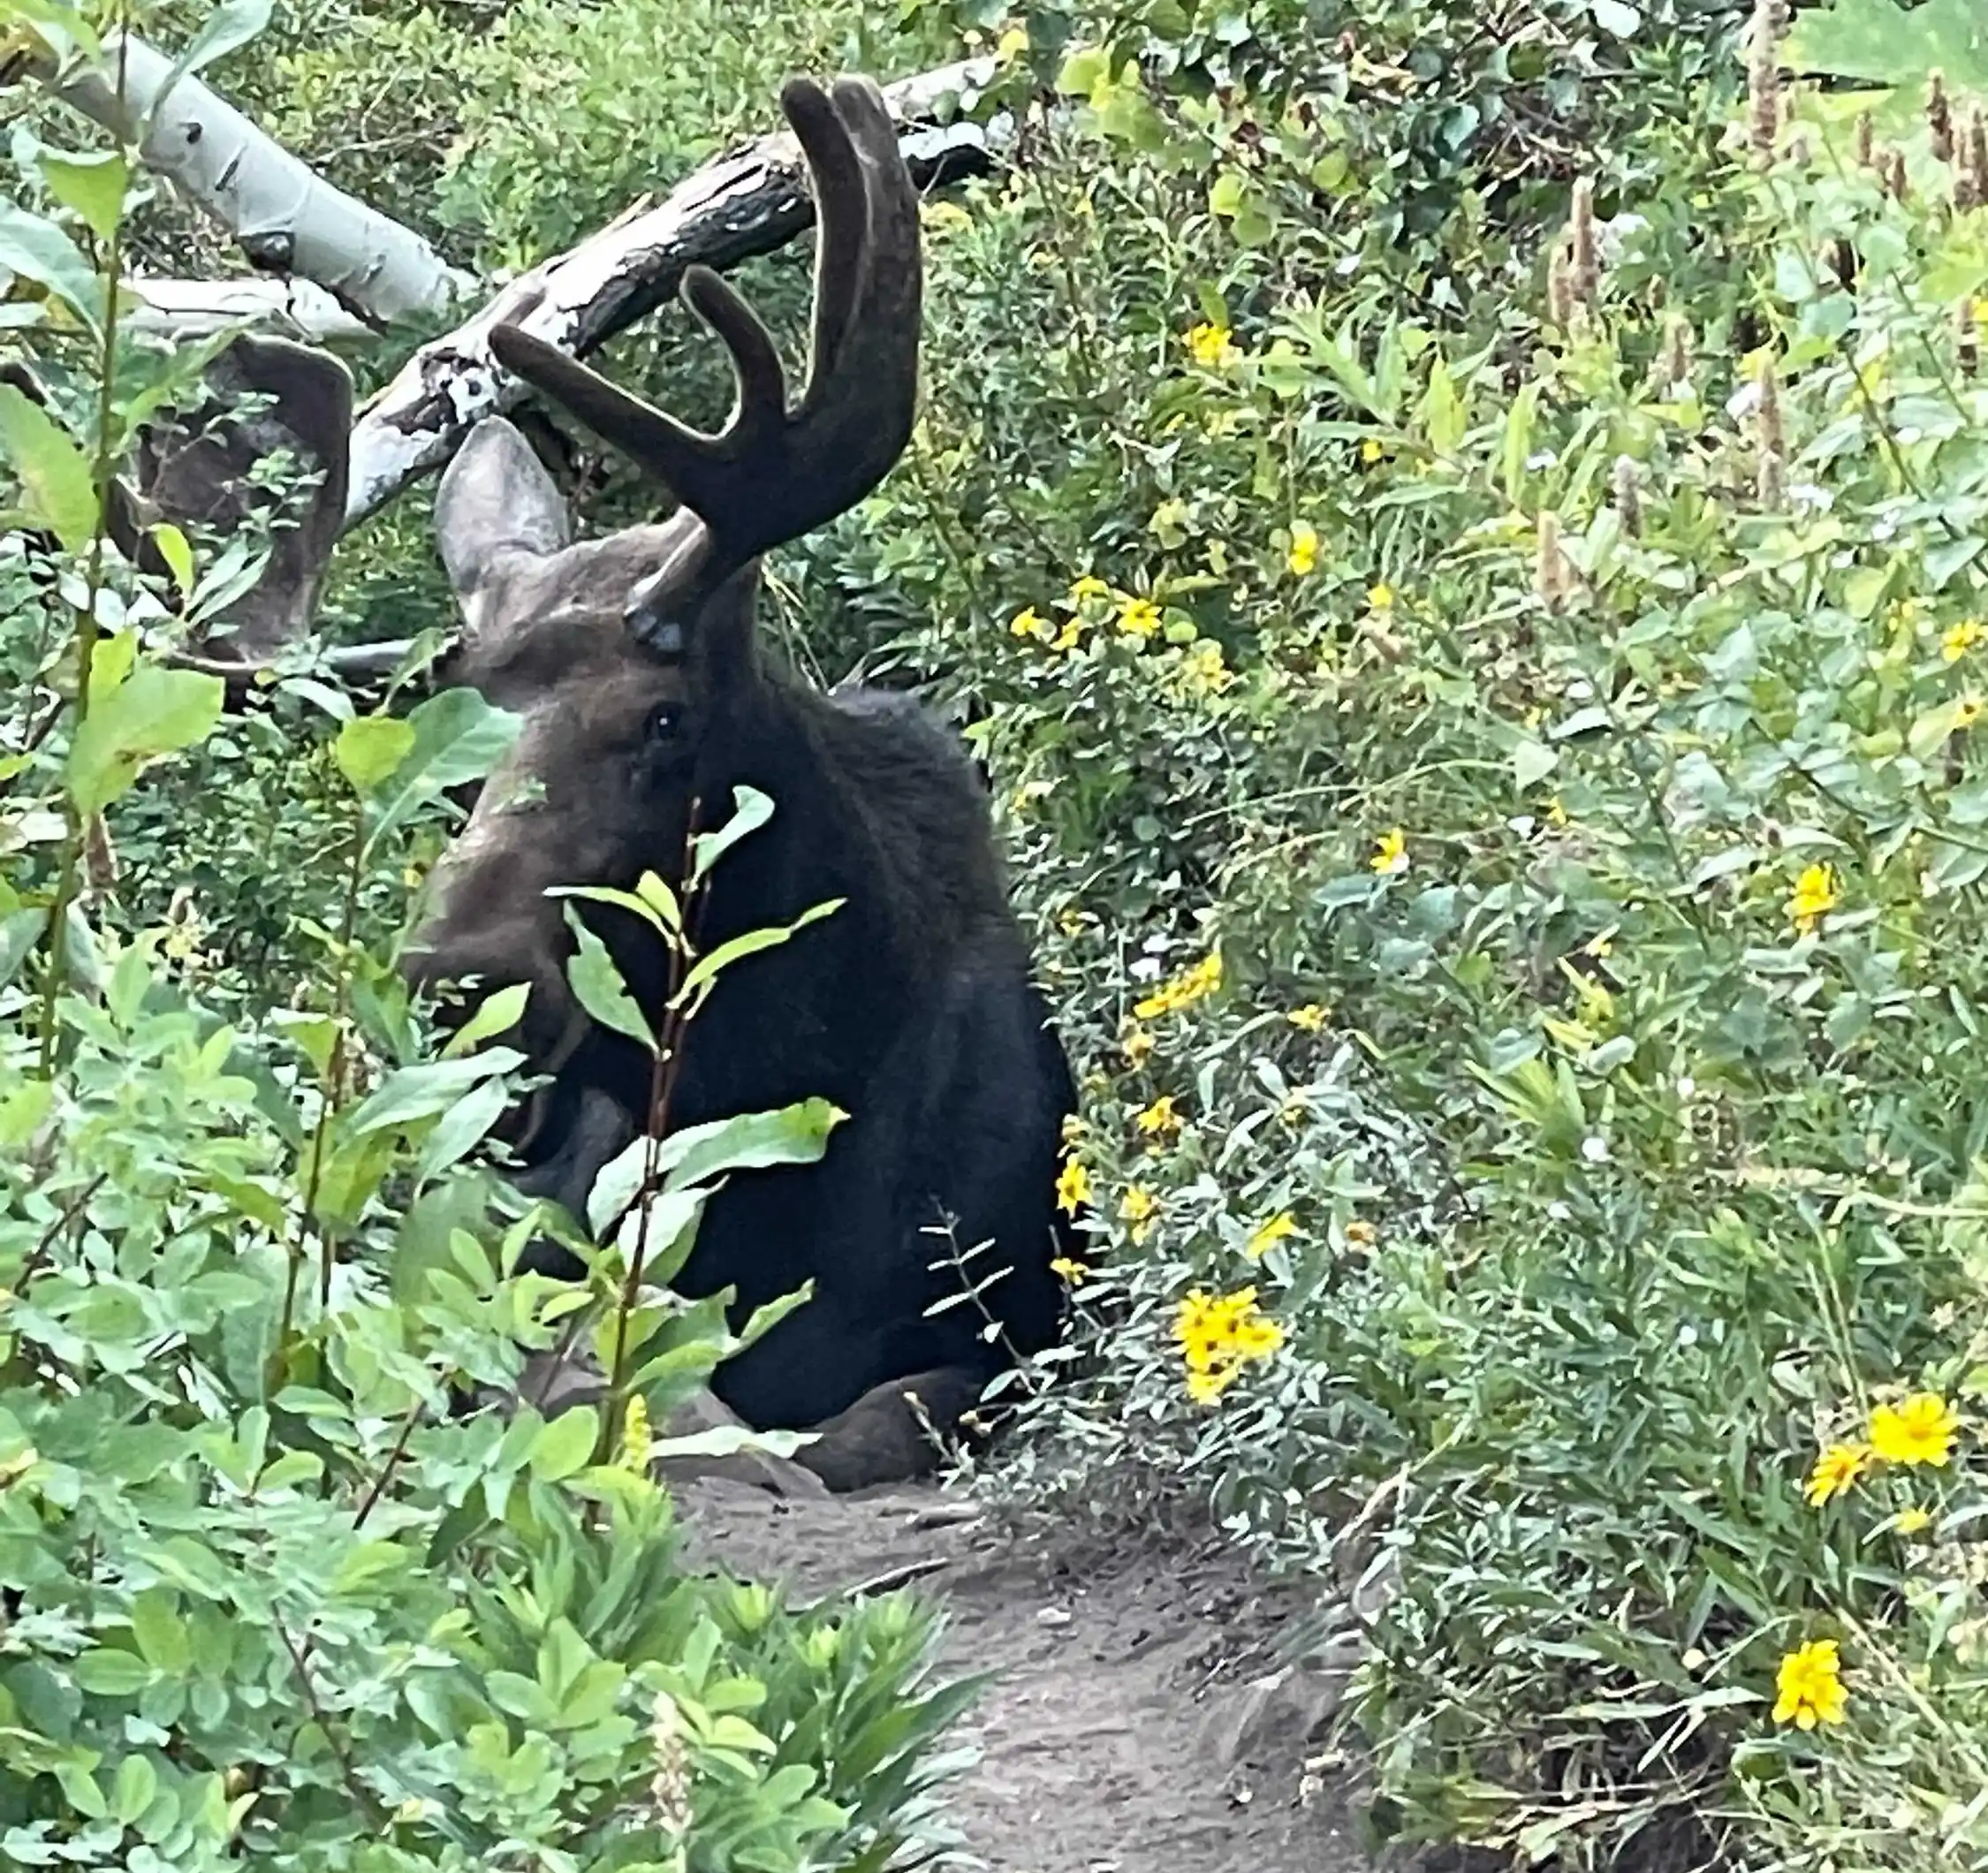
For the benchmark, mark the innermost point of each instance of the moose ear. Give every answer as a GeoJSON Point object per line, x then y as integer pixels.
{"type": "Point", "coordinates": [201, 470]}
{"type": "Point", "coordinates": [496, 503]}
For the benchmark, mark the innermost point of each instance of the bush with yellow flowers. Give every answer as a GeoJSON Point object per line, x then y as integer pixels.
{"type": "Point", "coordinates": [1484, 698]}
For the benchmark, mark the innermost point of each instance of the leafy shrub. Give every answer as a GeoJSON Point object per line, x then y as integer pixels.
{"type": "Point", "coordinates": [274, 1584]}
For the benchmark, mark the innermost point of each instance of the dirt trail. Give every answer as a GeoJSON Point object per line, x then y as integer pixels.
{"type": "Point", "coordinates": [1141, 1722]}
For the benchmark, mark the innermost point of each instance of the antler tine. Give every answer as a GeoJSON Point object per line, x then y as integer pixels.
{"type": "Point", "coordinates": [867, 276]}
{"type": "Point", "coordinates": [771, 475]}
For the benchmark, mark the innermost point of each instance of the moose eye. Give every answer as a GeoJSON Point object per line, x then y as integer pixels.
{"type": "Point", "coordinates": [664, 722]}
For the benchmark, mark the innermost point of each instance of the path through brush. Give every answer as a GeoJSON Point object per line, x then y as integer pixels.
{"type": "Point", "coordinates": [1141, 1723]}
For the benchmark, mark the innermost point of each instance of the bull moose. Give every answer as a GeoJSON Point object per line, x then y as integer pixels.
{"type": "Point", "coordinates": [645, 689]}
{"type": "Point", "coordinates": [646, 697]}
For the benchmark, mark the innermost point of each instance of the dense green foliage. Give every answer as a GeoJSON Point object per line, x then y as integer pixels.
{"type": "Point", "coordinates": [1474, 518]}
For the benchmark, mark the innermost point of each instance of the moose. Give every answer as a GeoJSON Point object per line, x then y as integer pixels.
{"type": "Point", "coordinates": [647, 696]}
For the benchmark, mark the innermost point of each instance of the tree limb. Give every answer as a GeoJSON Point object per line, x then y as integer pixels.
{"type": "Point", "coordinates": [286, 218]}
{"type": "Point", "coordinates": [745, 203]}
{"type": "Point", "coordinates": [189, 309]}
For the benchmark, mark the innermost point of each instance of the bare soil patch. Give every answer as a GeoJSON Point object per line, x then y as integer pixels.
{"type": "Point", "coordinates": [1143, 1719]}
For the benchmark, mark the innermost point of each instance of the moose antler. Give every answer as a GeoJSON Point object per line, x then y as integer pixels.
{"type": "Point", "coordinates": [774, 474]}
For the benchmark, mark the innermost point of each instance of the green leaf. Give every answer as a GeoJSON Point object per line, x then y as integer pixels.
{"type": "Point", "coordinates": [93, 185]}
{"type": "Point", "coordinates": [1614, 17]}
{"type": "Point", "coordinates": [159, 1632]}
{"type": "Point", "coordinates": [133, 1793]}
{"type": "Point", "coordinates": [370, 748]}
{"type": "Point", "coordinates": [597, 985]}
{"type": "Point", "coordinates": [178, 555]}
{"type": "Point", "coordinates": [107, 1672]}
{"type": "Point", "coordinates": [1518, 438]}
{"type": "Point", "coordinates": [38, 250]}
{"type": "Point", "coordinates": [565, 1446]}
{"type": "Point", "coordinates": [751, 810]}
{"type": "Point", "coordinates": [458, 737]}
{"type": "Point", "coordinates": [1084, 71]}
{"type": "Point", "coordinates": [708, 968]}
{"type": "Point", "coordinates": [1890, 44]}
{"type": "Point", "coordinates": [498, 1013]}
{"type": "Point", "coordinates": [410, 1093]}
{"type": "Point", "coordinates": [54, 474]}
{"type": "Point", "coordinates": [230, 24]}
{"type": "Point", "coordinates": [795, 1134]}
{"type": "Point", "coordinates": [154, 712]}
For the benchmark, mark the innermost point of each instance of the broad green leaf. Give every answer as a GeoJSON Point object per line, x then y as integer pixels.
{"type": "Point", "coordinates": [369, 749]}
{"type": "Point", "coordinates": [498, 1013]}
{"type": "Point", "coordinates": [795, 1134]}
{"type": "Point", "coordinates": [597, 985]}
{"type": "Point", "coordinates": [410, 1093]}
{"type": "Point", "coordinates": [458, 739]}
{"type": "Point", "coordinates": [751, 810]}
{"type": "Point", "coordinates": [107, 1672]}
{"type": "Point", "coordinates": [133, 1792]}
{"type": "Point", "coordinates": [462, 1128]}
{"type": "Point", "coordinates": [566, 1444]}
{"type": "Point", "coordinates": [38, 250]}
{"type": "Point", "coordinates": [154, 712]}
{"type": "Point", "coordinates": [54, 474]}
{"type": "Point", "coordinates": [93, 185]}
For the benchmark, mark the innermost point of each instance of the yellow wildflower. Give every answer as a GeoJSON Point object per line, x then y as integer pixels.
{"type": "Point", "coordinates": [1211, 347]}
{"type": "Point", "coordinates": [1160, 1118]}
{"type": "Point", "coordinates": [1815, 895]}
{"type": "Point", "coordinates": [1071, 635]}
{"type": "Point", "coordinates": [1371, 451]}
{"type": "Point", "coordinates": [1810, 1684]}
{"type": "Point", "coordinates": [1556, 812]}
{"type": "Point", "coordinates": [1960, 639]}
{"type": "Point", "coordinates": [1088, 587]}
{"type": "Point", "coordinates": [1391, 853]}
{"type": "Point", "coordinates": [1381, 597]}
{"type": "Point", "coordinates": [1266, 1236]}
{"type": "Point", "coordinates": [1137, 1046]}
{"type": "Point", "coordinates": [1183, 990]}
{"type": "Point", "coordinates": [1139, 617]}
{"type": "Point", "coordinates": [1967, 712]}
{"type": "Point", "coordinates": [1836, 1469]}
{"type": "Point", "coordinates": [1917, 1429]}
{"type": "Point", "coordinates": [1217, 1337]}
{"type": "Point", "coordinates": [1302, 558]}
{"type": "Point", "coordinates": [1312, 1017]}
{"type": "Point", "coordinates": [1011, 45]}
{"type": "Point", "coordinates": [1138, 1208]}
{"type": "Point", "coordinates": [1360, 1234]}
{"type": "Point", "coordinates": [1073, 1272]}
{"type": "Point", "coordinates": [1031, 623]}
{"type": "Point", "coordinates": [635, 1436]}
{"type": "Point", "coordinates": [1072, 1187]}
{"type": "Point", "coordinates": [1914, 1520]}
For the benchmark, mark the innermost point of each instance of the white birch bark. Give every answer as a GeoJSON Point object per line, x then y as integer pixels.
{"type": "Point", "coordinates": [285, 216]}
{"type": "Point", "coordinates": [745, 203]}
{"type": "Point", "coordinates": [293, 308]}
